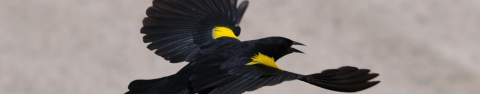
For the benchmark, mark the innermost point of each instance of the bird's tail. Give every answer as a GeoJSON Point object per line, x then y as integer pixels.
{"type": "Point", "coordinates": [158, 86]}
{"type": "Point", "coordinates": [343, 79]}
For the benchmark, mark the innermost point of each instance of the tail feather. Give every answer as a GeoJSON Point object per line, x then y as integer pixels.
{"type": "Point", "coordinates": [157, 86]}
{"type": "Point", "coordinates": [344, 79]}
{"type": "Point", "coordinates": [145, 84]}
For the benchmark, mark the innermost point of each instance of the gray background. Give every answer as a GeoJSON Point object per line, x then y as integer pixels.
{"type": "Point", "coordinates": [94, 46]}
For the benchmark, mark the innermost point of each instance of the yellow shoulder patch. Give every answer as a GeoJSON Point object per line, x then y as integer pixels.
{"type": "Point", "coordinates": [223, 32]}
{"type": "Point", "coordinates": [263, 59]}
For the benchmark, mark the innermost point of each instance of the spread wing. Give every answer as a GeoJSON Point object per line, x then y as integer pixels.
{"type": "Point", "coordinates": [240, 79]}
{"type": "Point", "coordinates": [177, 29]}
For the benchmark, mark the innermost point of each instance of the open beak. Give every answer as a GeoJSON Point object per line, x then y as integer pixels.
{"type": "Point", "coordinates": [296, 50]}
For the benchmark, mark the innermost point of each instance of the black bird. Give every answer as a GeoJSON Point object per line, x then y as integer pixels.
{"type": "Point", "coordinates": [204, 33]}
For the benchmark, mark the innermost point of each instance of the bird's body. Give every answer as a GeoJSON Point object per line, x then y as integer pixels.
{"type": "Point", "coordinates": [204, 33]}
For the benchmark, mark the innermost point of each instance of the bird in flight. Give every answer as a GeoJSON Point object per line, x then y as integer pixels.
{"type": "Point", "coordinates": [205, 34]}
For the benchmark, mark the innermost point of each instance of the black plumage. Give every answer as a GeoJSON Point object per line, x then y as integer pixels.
{"type": "Point", "coordinates": [185, 30]}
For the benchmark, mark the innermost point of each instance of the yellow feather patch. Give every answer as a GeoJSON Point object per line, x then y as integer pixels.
{"type": "Point", "coordinates": [223, 32]}
{"type": "Point", "coordinates": [263, 59]}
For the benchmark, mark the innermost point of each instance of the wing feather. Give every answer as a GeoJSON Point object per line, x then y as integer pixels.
{"type": "Point", "coordinates": [344, 79]}
{"type": "Point", "coordinates": [240, 79]}
{"type": "Point", "coordinates": [177, 29]}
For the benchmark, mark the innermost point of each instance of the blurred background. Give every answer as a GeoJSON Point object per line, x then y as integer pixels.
{"type": "Point", "coordinates": [95, 46]}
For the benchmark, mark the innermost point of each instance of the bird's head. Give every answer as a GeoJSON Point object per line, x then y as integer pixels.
{"type": "Point", "coordinates": [277, 47]}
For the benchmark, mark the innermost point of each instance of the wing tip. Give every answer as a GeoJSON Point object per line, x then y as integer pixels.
{"type": "Point", "coordinates": [329, 79]}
